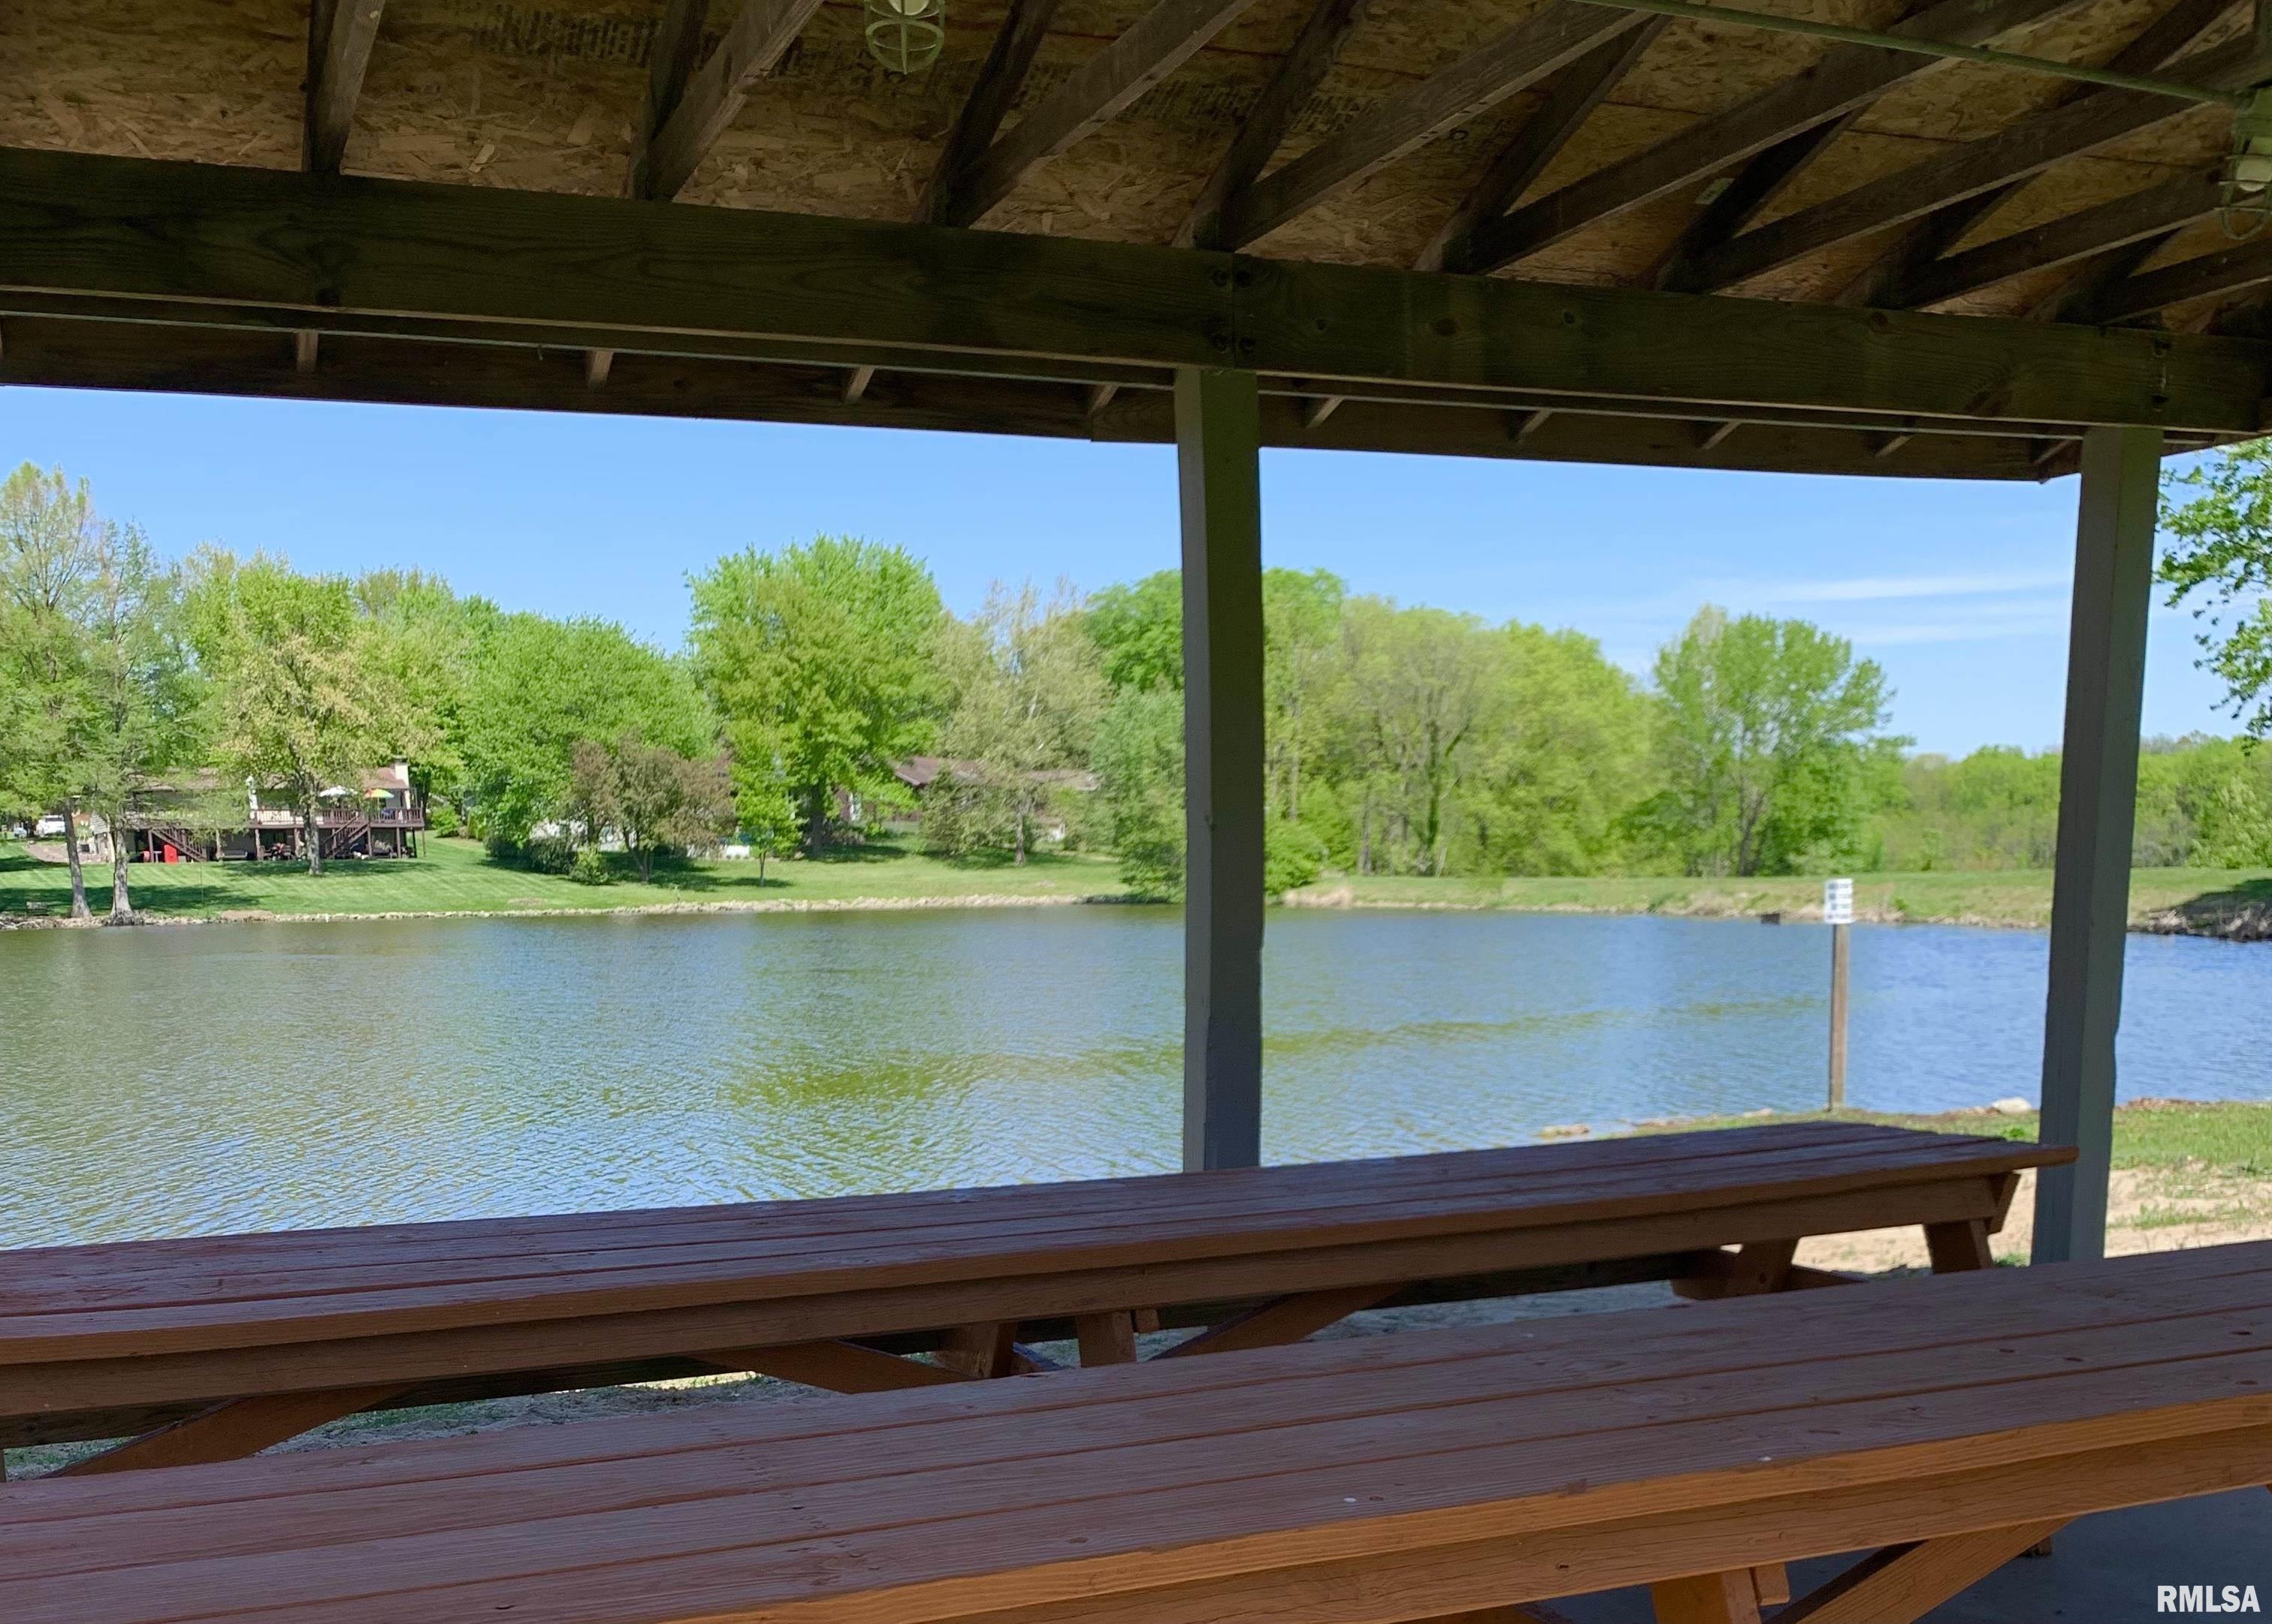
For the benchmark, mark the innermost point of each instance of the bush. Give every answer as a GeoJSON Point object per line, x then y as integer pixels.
{"type": "Point", "coordinates": [441, 819]}
{"type": "Point", "coordinates": [503, 848]}
{"type": "Point", "coordinates": [1292, 856]}
{"type": "Point", "coordinates": [590, 868]}
{"type": "Point", "coordinates": [548, 854]}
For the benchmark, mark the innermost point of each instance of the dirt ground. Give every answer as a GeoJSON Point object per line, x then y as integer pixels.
{"type": "Point", "coordinates": [2150, 1210]}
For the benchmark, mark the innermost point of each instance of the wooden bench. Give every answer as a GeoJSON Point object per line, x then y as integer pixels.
{"type": "Point", "coordinates": [210, 1348]}
{"type": "Point", "coordinates": [1450, 1474]}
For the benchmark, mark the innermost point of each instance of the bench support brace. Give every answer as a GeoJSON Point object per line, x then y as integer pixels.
{"type": "Point", "coordinates": [232, 1430]}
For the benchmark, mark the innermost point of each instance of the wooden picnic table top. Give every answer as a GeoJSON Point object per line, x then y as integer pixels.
{"type": "Point", "coordinates": [134, 1299]}
{"type": "Point", "coordinates": [1361, 1479]}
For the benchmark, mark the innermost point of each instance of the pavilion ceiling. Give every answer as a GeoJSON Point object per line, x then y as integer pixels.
{"type": "Point", "coordinates": [1562, 145]}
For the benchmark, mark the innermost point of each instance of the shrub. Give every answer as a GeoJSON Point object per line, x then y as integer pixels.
{"type": "Point", "coordinates": [501, 848]}
{"type": "Point", "coordinates": [548, 854]}
{"type": "Point", "coordinates": [590, 868]}
{"type": "Point", "coordinates": [1292, 856]}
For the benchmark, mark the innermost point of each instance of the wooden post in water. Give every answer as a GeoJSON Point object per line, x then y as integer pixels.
{"type": "Point", "coordinates": [1838, 912]}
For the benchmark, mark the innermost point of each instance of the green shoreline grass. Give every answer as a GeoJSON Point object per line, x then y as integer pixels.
{"type": "Point", "coordinates": [2225, 1136]}
{"type": "Point", "coordinates": [2230, 902]}
{"type": "Point", "coordinates": [457, 877]}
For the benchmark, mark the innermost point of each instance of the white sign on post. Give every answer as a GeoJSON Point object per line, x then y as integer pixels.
{"type": "Point", "coordinates": [1838, 902]}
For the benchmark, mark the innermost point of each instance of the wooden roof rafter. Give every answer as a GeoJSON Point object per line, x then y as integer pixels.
{"type": "Point", "coordinates": [341, 35]}
{"type": "Point", "coordinates": [714, 93]}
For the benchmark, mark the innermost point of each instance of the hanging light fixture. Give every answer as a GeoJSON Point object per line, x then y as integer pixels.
{"type": "Point", "coordinates": [2244, 182]}
{"type": "Point", "coordinates": [905, 35]}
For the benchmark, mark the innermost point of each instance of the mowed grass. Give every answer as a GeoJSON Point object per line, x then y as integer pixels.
{"type": "Point", "coordinates": [457, 876]}
{"type": "Point", "coordinates": [2206, 898]}
{"type": "Point", "coordinates": [2229, 1135]}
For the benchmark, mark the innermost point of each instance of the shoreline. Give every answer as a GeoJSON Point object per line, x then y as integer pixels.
{"type": "Point", "coordinates": [812, 904]}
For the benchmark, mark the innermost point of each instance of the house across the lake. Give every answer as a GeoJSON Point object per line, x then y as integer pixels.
{"type": "Point", "coordinates": [200, 819]}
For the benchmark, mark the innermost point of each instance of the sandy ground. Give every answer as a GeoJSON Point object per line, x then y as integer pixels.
{"type": "Point", "coordinates": [2150, 1211]}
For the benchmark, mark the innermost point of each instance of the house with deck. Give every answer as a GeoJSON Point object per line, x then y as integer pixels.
{"type": "Point", "coordinates": [197, 818]}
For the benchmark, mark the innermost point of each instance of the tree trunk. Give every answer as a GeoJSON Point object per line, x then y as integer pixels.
{"type": "Point", "coordinates": [79, 910]}
{"type": "Point", "coordinates": [1021, 837]}
{"type": "Point", "coordinates": [315, 836]}
{"type": "Point", "coordinates": [122, 904]}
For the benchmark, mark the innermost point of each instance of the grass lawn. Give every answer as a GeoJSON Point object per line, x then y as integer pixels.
{"type": "Point", "coordinates": [2211, 901]}
{"type": "Point", "coordinates": [457, 876]}
{"type": "Point", "coordinates": [2229, 1136]}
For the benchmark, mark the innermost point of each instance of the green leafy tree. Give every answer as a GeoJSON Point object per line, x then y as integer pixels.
{"type": "Point", "coordinates": [1424, 687]}
{"type": "Point", "coordinates": [1767, 743]}
{"type": "Point", "coordinates": [1565, 757]}
{"type": "Point", "coordinates": [1139, 632]}
{"type": "Point", "coordinates": [51, 544]}
{"type": "Point", "coordinates": [823, 660]}
{"type": "Point", "coordinates": [765, 801]}
{"type": "Point", "coordinates": [1139, 768]}
{"type": "Point", "coordinates": [1301, 664]}
{"type": "Point", "coordinates": [1028, 692]}
{"type": "Point", "coordinates": [537, 686]}
{"type": "Point", "coordinates": [657, 800]}
{"type": "Point", "coordinates": [147, 700]}
{"type": "Point", "coordinates": [2218, 517]}
{"type": "Point", "coordinates": [425, 643]}
{"type": "Point", "coordinates": [299, 705]}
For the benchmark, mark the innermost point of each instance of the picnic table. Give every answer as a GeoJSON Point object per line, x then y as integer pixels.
{"type": "Point", "coordinates": [206, 1348]}
{"type": "Point", "coordinates": [1951, 1420]}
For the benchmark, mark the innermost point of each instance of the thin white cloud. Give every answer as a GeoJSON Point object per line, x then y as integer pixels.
{"type": "Point", "coordinates": [1893, 588]}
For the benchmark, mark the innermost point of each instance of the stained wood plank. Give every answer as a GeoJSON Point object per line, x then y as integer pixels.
{"type": "Point", "coordinates": [1000, 76]}
{"type": "Point", "coordinates": [230, 1431]}
{"type": "Point", "coordinates": [1545, 43]}
{"type": "Point", "coordinates": [1957, 1247]}
{"type": "Point", "coordinates": [714, 95]}
{"type": "Point", "coordinates": [2135, 217]}
{"type": "Point", "coordinates": [339, 45]}
{"type": "Point", "coordinates": [1281, 1321]}
{"type": "Point", "coordinates": [1883, 281]}
{"type": "Point", "coordinates": [1155, 45]}
{"type": "Point", "coordinates": [1263, 130]}
{"type": "Point", "coordinates": [76, 225]}
{"type": "Point", "coordinates": [1624, 1458]}
{"type": "Point", "coordinates": [1847, 78]}
{"type": "Point", "coordinates": [838, 1367]}
{"type": "Point", "coordinates": [1707, 1598]}
{"type": "Point", "coordinates": [1568, 103]}
{"type": "Point", "coordinates": [2206, 276]}
{"type": "Point", "coordinates": [2011, 154]}
{"type": "Point", "coordinates": [1905, 1582]}
{"type": "Point", "coordinates": [1106, 1338]}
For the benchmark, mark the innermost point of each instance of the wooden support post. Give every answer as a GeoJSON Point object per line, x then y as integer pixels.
{"type": "Point", "coordinates": [2098, 794]}
{"type": "Point", "coordinates": [1706, 1598]}
{"type": "Point", "coordinates": [1840, 956]}
{"type": "Point", "coordinates": [1218, 434]}
{"type": "Point", "coordinates": [1106, 1338]}
{"type": "Point", "coordinates": [1957, 1247]}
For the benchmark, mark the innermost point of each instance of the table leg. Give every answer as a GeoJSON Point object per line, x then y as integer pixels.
{"type": "Point", "coordinates": [232, 1430]}
{"type": "Point", "coordinates": [1958, 1247]}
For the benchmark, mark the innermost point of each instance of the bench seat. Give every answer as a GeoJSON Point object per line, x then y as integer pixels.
{"type": "Point", "coordinates": [1954, 1420]}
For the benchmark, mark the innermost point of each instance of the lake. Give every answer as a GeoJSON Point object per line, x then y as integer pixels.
{"type": "Point", "coordinates": [251, 1076]}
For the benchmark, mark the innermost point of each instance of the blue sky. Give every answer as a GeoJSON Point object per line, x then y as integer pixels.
{"type": "Point", "coordinates": [1959, 589]}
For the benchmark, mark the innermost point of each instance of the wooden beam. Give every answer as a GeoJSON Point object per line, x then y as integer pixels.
{"type": "Point", "coordinates": [1732, 202]}
{"type": "Point", "coordinates": [2206, 276]}
{"type": "Point", "coordinates": [232, 1430]}
{"type": "Point", "coordinates": [340, 35]}
{"type": "Point", "coordinates": [1264, 127]}
{"type": "Point", "coordinates": [1000, 78]}
{"type": "Point", "coordinates": [1848, 76]}
{"type": "Point", "coordinates": [1155, 45]}
{"type": "Point", "coordinates": [2098, 790]}
{"type": "Point", "coordinates": [1927, 240]}
{"type": "Point", "coordinates": [1283, 1320]}
{"type": "Point", "coordinates": [856, 385]}
{"type": "Point", "coordinates": [1906, 1582]}
{"type": "Point", "coordinates": [672, 56]}
{"type": "Point", "coordinates": [715, 94]}
{"type": "Point", "coordinates": [131, 234]}
{"type": "Point", "coordinates": [2153, 212]}
{"type": "Point", "coordinates": [1218, 438]}
{"type": "Point", "coordinates": [2076, 299]}
{"type": "Point", "coordinates": [1544, 43]}
{"type": "Point", "coordinates": [1106, 1338]}
{"type": "Point", "coordinates": [837, 1367]}
{"type": "Point", "coordinates": [2014, 153]}
{"type": "Point", "coordinates": [1576, 92]}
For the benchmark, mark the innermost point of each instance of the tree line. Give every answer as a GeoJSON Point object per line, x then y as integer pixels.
{"type": "Point", "coordinates": [1399, 739]}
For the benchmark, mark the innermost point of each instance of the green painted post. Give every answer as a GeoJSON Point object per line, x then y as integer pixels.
{"type": "Point", "coordinates": [1218, 437]}
{"type": "Point", "coordinates": [2098, 794]}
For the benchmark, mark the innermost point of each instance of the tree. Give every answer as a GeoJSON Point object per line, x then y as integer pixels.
{"type": "Point", "coordinates": [1139, 632]}
{"type": "Point", "coordinates": [1301, 659]}
{"type": "Point", "coordinates": [50, 547]}
{"type": "Point", "coordinates": [1028, 693]}
{"type": "Point", "coordinates": [1565, 758]}
{"type": "Point", "coordinates": [537, 686]}
{"type": "Point", "coordinates": [299, 706]}
{"type": "Point", "coordinates": [765, 802]}
{"type": "Point", "coordinates": [655, 799]}
{"type": "Point", "coordinates": [1139, 768]}
{"type": "Point", "coordinates": [1423, 686]}
{"type": "Point", "coordinates": [425, 646]}
{"type": "Point", "coordinates": [143, 686]}
{"type": "Point", "coordinates": [1765, 741]}
{"type": "Point", "coordinates": [2220, 547]}
{"type": "Point", "coordinates": [822, 659]}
